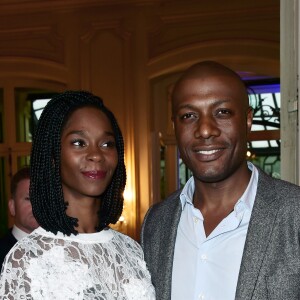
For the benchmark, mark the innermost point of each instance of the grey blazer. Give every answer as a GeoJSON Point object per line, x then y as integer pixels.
{"type": "Point", "coordinates": [270, 267]}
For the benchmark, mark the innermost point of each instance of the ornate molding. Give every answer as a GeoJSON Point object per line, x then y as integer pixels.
{"type": "Point", "coordinates": [40, 42]}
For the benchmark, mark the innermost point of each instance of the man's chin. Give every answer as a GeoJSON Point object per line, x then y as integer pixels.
{"type": "Point", "coordinates": [211, 176]}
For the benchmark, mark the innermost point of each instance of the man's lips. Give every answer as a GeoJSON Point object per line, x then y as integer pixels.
{"type": "Point", "coordinates": [94, 174]}
{"type": "Point", "coordinates": [209, 154]}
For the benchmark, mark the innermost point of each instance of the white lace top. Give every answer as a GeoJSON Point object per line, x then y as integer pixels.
{"type": "Point", "coordinates": [105, 266]}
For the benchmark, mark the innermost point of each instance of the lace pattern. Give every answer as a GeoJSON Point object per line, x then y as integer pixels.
{"type": "Point", "coordinates": [107, 266]}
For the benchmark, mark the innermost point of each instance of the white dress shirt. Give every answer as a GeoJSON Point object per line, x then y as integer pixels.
{"type": "Point", "coordinates": [208, 267]}
{"type": "Point", "coordinates": [18, 233]}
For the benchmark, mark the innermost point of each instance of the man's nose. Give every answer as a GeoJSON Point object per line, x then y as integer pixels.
{"type": "Point", "coordinates": [206, 127]}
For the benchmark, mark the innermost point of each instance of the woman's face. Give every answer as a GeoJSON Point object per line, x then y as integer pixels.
{"type": "Point", "coordinates": [88, 154]}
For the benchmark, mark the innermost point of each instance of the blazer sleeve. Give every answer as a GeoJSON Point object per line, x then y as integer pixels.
{"type": "Point", "coordinates": [158, 237]}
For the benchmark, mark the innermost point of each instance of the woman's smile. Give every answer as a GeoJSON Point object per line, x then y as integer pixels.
{"type": "Point", "coordinates": [95, 174]}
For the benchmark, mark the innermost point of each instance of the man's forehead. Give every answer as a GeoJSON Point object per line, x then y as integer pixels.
{"type": "Point", "coordinates": [210, 89]}
{"type": "Point", "coordinates": [209, 84]}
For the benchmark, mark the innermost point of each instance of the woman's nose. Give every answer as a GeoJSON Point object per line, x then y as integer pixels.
{"type": "Point", "coordinates": [95, 154]}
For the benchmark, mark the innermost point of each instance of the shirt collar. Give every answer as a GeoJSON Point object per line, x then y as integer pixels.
{"type": "Point", "coordinates": [248, 197]}
{"type": "Point", "coordinates": [246, 200]}
{"type": "Point", "coordinates": [18, 233]}
{"type": "Point", "coordinates": [187, 192]}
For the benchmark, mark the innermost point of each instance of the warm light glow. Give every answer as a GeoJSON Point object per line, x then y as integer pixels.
{"type": "Point", "coordinates": [126, 222]}
{"type": "Point", "coordinates": [122, 219]}
{"type": "Point", "coordinates": [249, 154]}
{"type": "Point", "coordinates": [128, 195]}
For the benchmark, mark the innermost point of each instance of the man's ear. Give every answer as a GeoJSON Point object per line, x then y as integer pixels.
{"type": "Point", "coordinates": [11, 207]}
{"type": "Point", "coordinates": [172, 120]}
{"type": "Point", "coordinates": [249, 119]}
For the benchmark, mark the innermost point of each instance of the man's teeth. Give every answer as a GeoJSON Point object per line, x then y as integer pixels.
{"type": "Point", "coordinates": [207, 152]}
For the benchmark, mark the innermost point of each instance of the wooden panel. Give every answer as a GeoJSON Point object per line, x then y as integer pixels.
{"type": "Point", "coordinates": [103, 66]}
{"type": "Point", "coordinates": [188, 23]}
{"type": "Point", "coordinates": [264, 135]}
{"type": "Point", "coordinates": [34, 41]}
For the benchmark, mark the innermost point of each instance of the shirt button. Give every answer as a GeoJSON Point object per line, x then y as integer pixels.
{"type": "Point", "coordinates": [196, 220]}
{"type": "Point", "coordinates": [204, 257]}
{"type": "Point", "coordinates": [201, 296]}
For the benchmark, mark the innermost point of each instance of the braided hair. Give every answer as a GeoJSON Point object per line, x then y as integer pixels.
{"type": "Point", "coordinates": [46, 193]}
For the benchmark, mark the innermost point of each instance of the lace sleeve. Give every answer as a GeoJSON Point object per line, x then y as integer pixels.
{"type": "Point", "coordinates": [13, 281]}
{"type": "Point", "coordinates": [43, 267]}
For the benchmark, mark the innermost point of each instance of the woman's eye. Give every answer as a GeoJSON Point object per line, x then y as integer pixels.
{"type": "Point", "coordinates": [78, 143]}
{"type": "Point", "coordinates": [109, 144]}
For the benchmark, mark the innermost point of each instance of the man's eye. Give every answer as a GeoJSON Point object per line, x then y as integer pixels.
{"type": "Point", "coordinates": [223, 112]}
{"type": "Point", "coordinates": [188, 116]}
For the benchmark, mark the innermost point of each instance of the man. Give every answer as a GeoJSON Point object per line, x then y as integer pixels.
{"type": "Point", "coordinates": [232, 232]}
{"type": "Point", "coordinates": [20, 208]}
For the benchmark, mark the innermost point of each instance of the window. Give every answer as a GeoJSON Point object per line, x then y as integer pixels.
{"type": "Point", "coordinates": [19, 112]}
{"type": "Point", "coordinates": [264, 142]}
{"type": "Point", "coordinates": [29, 104]}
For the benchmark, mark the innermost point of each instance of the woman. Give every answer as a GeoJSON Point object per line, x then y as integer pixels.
{"type": "Point", "coordinates": [77, 182]}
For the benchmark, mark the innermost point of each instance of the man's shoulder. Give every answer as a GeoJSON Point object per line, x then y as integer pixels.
{"type": "Point", "coordinates": [161, 220]}
{"type": "Point", "coordinates": [281, 186]}
{"type": "Point", "coordinates": [279, 192]}
{"type": "Point", "coordinates": [172, 201]}
{"type": "Point", "coordinates": [164, 211]}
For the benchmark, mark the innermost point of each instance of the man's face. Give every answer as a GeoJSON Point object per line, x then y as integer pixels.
{"type": "Point", "coordinates": [211, 120]}
{"type": "Point", "coordinates": [20, 208]}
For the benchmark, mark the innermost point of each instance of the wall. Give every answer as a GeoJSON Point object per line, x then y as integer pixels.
{"type": "Point", "coordinates": [130, 53]}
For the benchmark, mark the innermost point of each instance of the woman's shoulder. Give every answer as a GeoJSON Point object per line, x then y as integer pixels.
{"type": "Point", "coordinates": [20, 255]}
{"type": "Point", "coordinates": [126, 239]}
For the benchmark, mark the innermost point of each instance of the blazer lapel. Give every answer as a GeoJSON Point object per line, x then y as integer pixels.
{"type": "Point", "coordinates": [259, 233]}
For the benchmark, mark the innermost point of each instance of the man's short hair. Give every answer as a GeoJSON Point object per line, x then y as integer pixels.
{"type": "Point", "coordinates": [23, 173]}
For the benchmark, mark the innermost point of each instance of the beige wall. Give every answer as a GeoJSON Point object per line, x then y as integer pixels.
{"type": "Point", "coordinates": [290, 101]}
{"type": "Point", "coordinates": [130, 53]}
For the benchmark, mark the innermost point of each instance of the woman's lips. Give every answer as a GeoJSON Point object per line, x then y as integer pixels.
{"type": "Point", "coordinates": [95, 174]}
